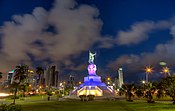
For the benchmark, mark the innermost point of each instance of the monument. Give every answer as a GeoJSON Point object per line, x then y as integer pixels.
{"type": "Point", "coordinates": [92, 83]}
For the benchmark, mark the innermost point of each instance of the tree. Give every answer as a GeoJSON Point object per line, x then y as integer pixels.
{"type": "Point", "coordinates": [20, 75]}
{"type": "Point", "coordinates": [151, 87]}
{"type": "Point", "coordinates": [160, 90]}
{"type": "Point", "coordinates": [140, 91]}
{"type": "Point", "coordinates": [168, 84]}
{"type": "Point", "coordinates": [39, 71]}
{"type": "Point", "coordinates": [24, 88]}
{"type": "Point", "coordinates": [129, 91]}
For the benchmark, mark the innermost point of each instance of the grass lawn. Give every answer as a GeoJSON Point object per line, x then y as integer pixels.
{"type": "Point", "coordinates": [120, 105]}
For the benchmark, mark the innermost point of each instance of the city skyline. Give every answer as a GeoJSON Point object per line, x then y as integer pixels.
{"type": "Point", "coordinates": [127, 34]}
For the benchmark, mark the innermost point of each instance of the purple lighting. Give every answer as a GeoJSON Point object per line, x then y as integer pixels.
{"type": "Point", "coordinates": [92, 69]}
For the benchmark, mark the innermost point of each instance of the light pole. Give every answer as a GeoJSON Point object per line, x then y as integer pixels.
{"type": "Point", "coordinates": [148, 71]}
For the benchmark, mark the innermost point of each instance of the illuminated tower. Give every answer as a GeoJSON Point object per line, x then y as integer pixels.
{"type": "Point", "coordinates": [120, 77]}
{"type": "Point", "coordinates": [10, 76]}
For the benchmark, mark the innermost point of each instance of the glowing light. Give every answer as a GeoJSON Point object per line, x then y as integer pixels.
{"type": "Point", "coordinates": [108, 78]}
{"type": "Point", "coordinates": [165, 70]}
{"type": "Point", "coordinates": [31, 71]}
{"type": "Point", "coordinates": [92, 69]}
{"type": "Point", "coordinates": [79, 82]}
{"type": "Point", "coordinates": [4, 94]}
{"type": "Point", "coordinates": [148, 70]}
{"type": "Point", "coordinates": [86, 91]}
{"type": "Point", "coordinates": [143, 82]}
{"type": "Point", "coordinates": [92, 92]}
{"type": "Point", "coordinates": [120, 69]}
{"type": "Point", "coordinates": [162, 63]}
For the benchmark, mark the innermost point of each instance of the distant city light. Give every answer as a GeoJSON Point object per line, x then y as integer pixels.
{"type": "Point", "coordinates": [4, 94]}
{"type": "Point", "coordinates": [31, 71]}
{"type": "Point", "coordinates": [143, 82]}
{"type": "Point", "coordinates": [108, 78]}
{"type": "Point", "coordinates": [162, 63]}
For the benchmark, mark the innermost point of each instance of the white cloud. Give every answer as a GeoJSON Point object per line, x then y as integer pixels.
{"type": "Point", "coordinates": [140, 31]}
{"type": "Point", "coordinates": [76, 30]}
{"type": "Point", "coordinates": [135, 63]}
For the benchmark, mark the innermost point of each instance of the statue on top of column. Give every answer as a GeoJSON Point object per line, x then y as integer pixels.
{"type": "Point", "coordinates": [91, 57]}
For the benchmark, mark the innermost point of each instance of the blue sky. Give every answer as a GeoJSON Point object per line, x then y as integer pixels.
{"type": "Point", "coordinates": [124, 33]}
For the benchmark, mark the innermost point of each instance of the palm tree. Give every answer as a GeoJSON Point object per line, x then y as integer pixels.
{"type": "Point", "coordinates": [129, 91]}
{"type": "Point", "coordinates": [40, 72]}
{"type": "Point", "coordinates": [20, 75]}
{"type": "Point", "coordinates": [0, 75]}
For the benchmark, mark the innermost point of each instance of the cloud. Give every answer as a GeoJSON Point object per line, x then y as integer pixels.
{"type": "Point", "coordinates": [136, 63]}
{"type": "Point", "coordinates": [57, 34]}
{"type": "Point", "coordinates": [140, 31]}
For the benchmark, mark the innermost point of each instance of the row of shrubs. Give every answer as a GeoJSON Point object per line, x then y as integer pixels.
{"type": "Point", "coordinates": [10, 107]}
{"type": "Point", "coordinates": [87, 97]}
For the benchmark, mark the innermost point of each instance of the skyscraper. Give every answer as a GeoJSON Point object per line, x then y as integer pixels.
{"type": "Point", "coordinates": [120, 77]}
{"type": "Point", "coordinates": [10, 76]}
{"type": "Point", "coordinates": [51, 77]}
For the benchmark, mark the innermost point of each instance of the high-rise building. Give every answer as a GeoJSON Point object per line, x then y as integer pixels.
{"type": "Point", "coordinates": [71, 81]}
{"type": "Point", "coordinates": [120, 77]}
{"type": "Point", "coordinates": [10, 76]}
{"type": "Point", "coordinates": [51, 77]}
{"type": "Point", "coordinates": [56, 78]}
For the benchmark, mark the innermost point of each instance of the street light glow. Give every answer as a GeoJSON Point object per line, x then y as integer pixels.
{"type": "Point", "coordinates": [148, 70]}
{"type": "Point", "coordinates": [143, 82]}
{"type": "Point", "coordinates": [108, 78]}
{"type": "Point", "coordinates": [165, 70]}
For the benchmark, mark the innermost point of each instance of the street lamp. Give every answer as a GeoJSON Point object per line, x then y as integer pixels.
{"type": "Point", "coordinates": [148, 71]}
{"type": "Point", "coordinates": [166, 70]}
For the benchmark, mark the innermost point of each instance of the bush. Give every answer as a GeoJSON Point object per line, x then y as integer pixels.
{"type": "Point", "coordinates": [59, 95]}
{"type": "Point", "coordinates": [49, 93]}
{"type": "Point", "coordinates": [87, 98]}
{"type": "Point", "coordinates": [11, 107]}
{"type": "Point", "coordinates": [83, 97]}
{"type": "Point", "coordinates": [90, 97]}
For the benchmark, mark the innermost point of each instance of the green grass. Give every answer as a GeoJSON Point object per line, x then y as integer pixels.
{"type": "Point", "coordinates": [120, 105]}
{"type": "Point", "coordinates": [39, 103]}
{"type": "Point", "coordinates": [22, 100]}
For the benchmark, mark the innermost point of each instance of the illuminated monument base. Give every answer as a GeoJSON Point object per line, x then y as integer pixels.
{"type": "Point", "coordinates": [93, 85]}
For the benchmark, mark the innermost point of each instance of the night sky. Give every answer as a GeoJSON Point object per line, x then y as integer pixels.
{"type": "Point", "coordinates": [130, 34]}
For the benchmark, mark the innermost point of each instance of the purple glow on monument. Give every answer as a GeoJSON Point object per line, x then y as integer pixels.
{"type": "Point", "coordinates": [92, 69]}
